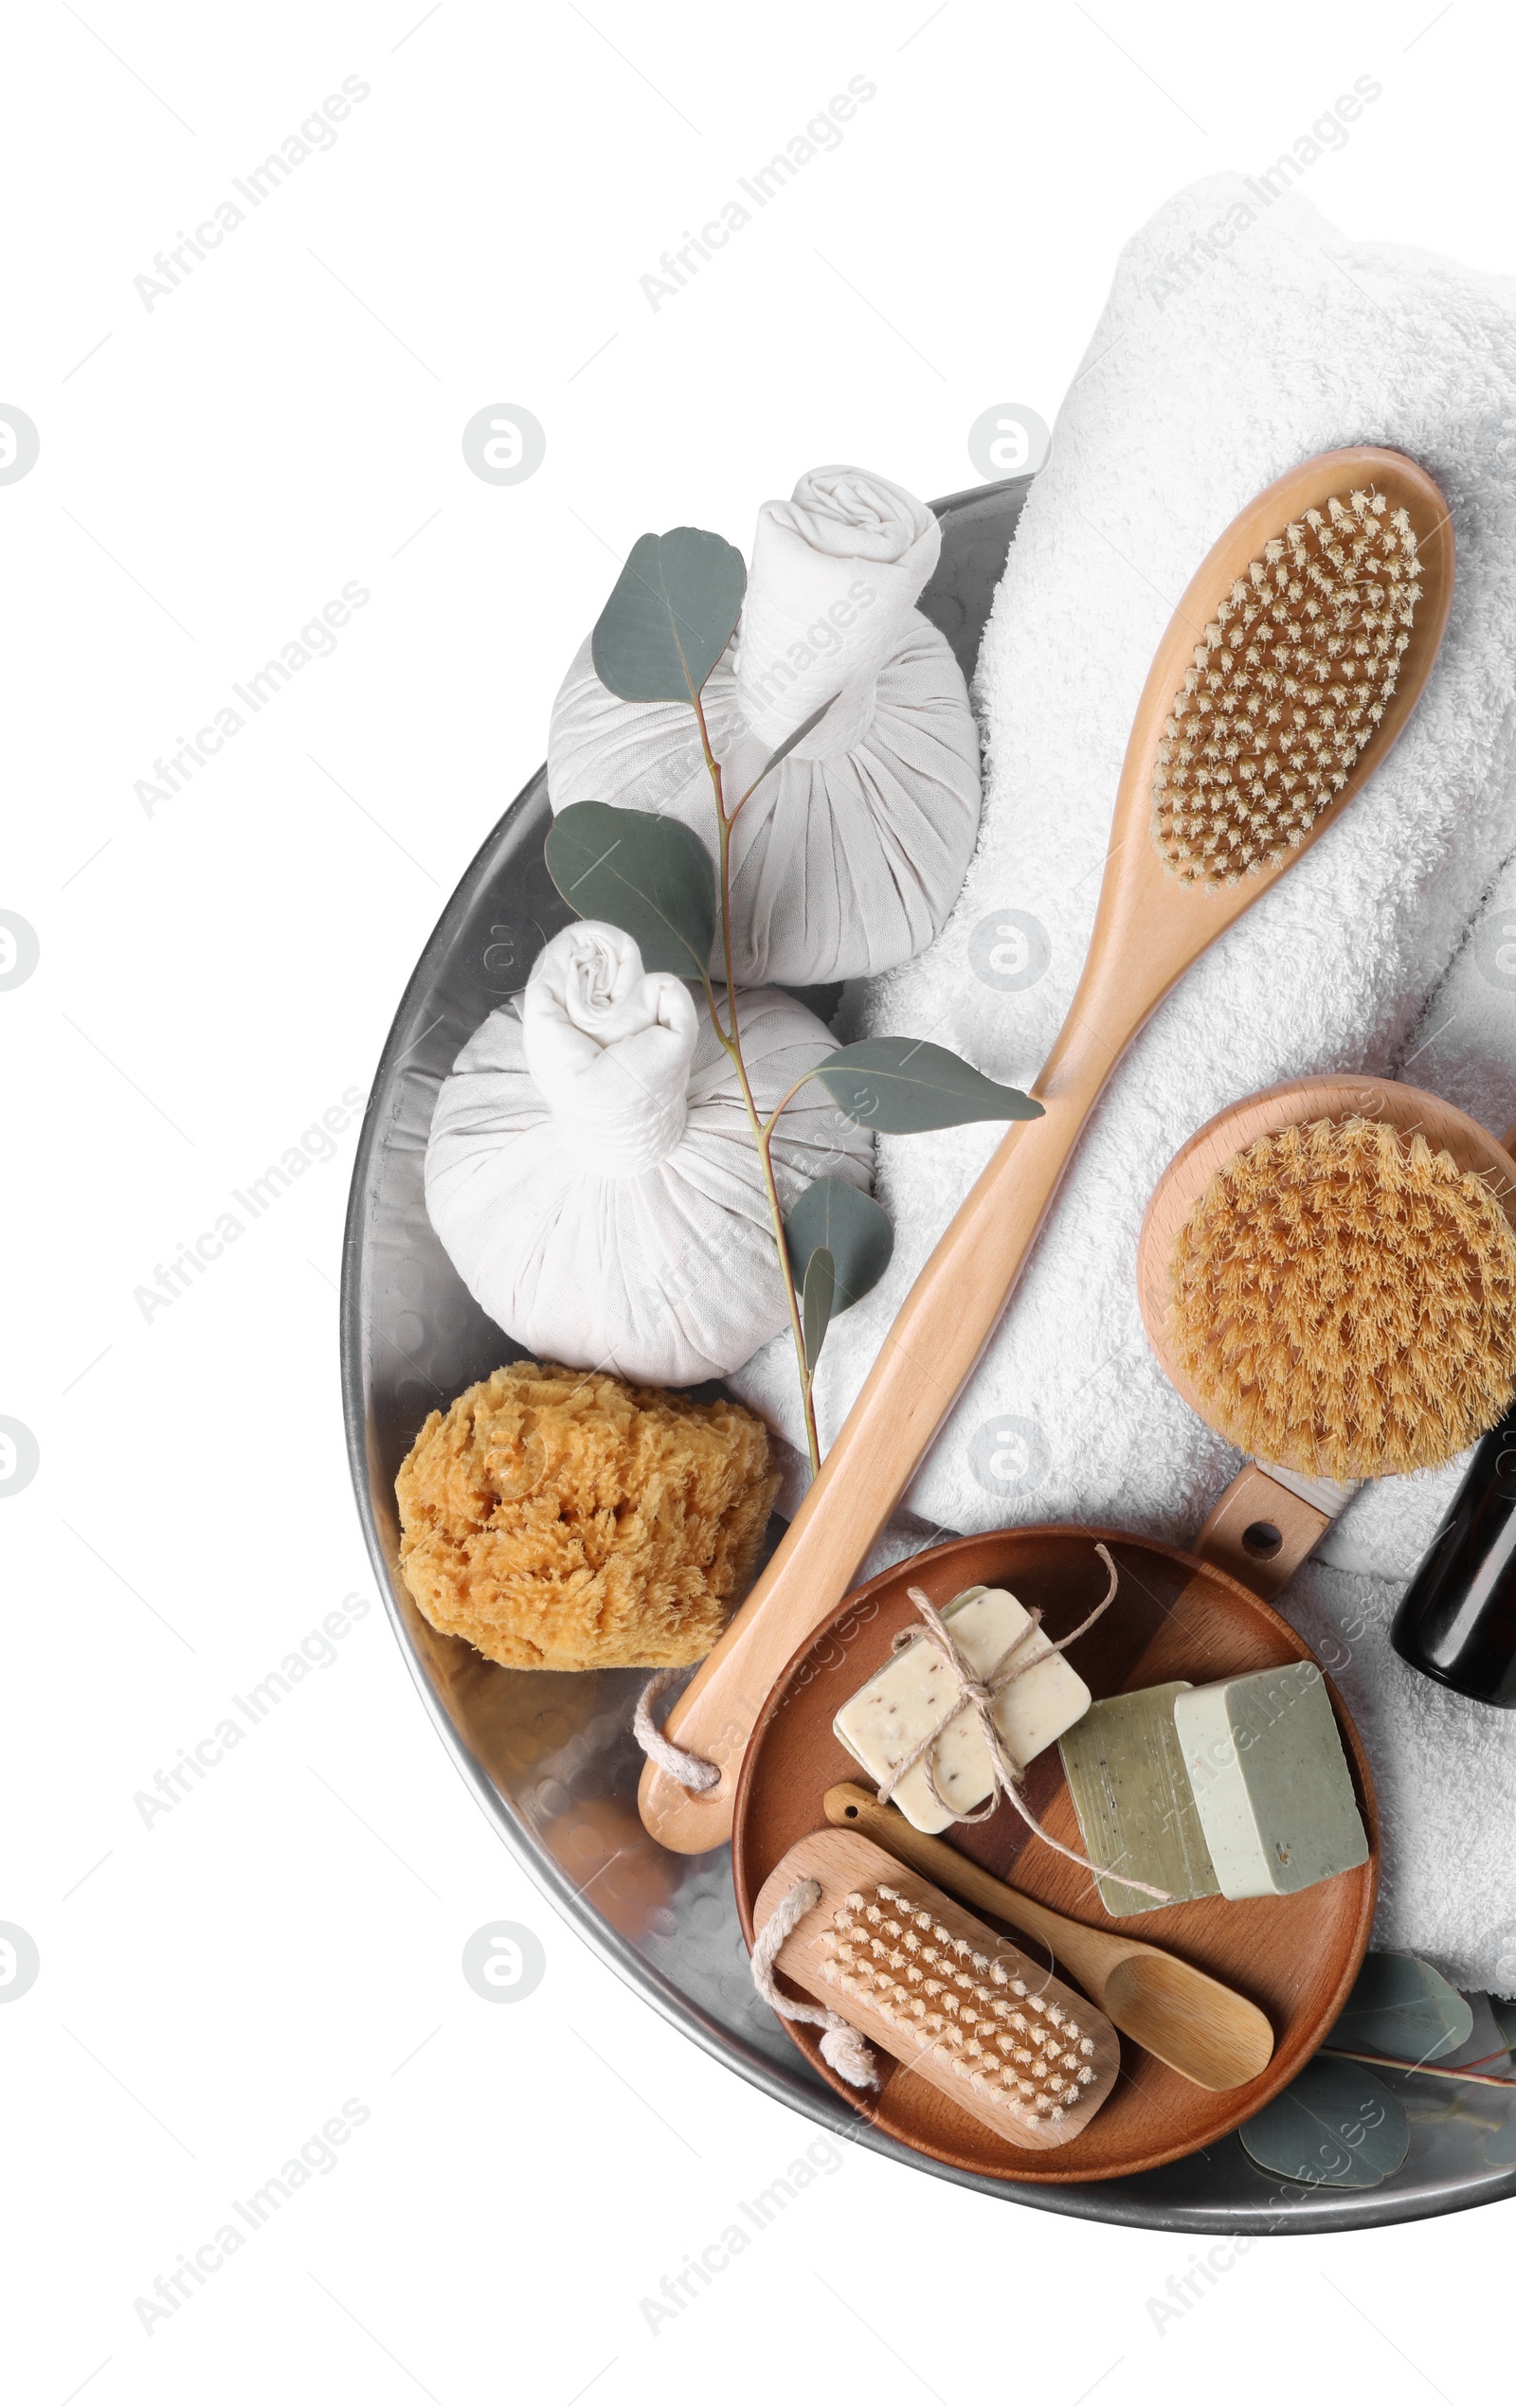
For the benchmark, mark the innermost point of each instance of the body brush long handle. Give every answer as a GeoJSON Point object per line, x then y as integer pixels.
{"type": "Point", "coordinates": [1294, 658]}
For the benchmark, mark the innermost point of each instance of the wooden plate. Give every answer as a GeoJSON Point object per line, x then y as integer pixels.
{"type": "Point", "coordinates": [1175, 1619]}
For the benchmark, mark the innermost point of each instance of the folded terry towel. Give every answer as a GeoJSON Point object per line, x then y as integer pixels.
{"type": "Point", "coordinates": [1287, 341]}
{"type": "Point", "coordinates": [849, 855]}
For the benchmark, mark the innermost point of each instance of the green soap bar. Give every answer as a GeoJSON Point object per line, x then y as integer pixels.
{"type": "Point", "coordinates": [1126, 1771]}
{"type": "Point", "coordinates": [1270, 1781]}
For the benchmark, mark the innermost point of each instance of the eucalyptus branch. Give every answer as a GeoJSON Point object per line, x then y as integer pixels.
{"type": "Point", "coordinates": [667, 624]}
{"type": "Point", "coordinates": [1441, 2073]}
{"type": "Point", "coordinates": [726, 1042]}
{"type": "Point", "coordinates": [788, 1097]}
{"type": "Point", "coordinates": [761, 1130]}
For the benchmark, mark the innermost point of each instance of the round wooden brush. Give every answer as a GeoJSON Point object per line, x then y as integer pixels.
{"type": "Point", "coordinates": [1344, 1302]}
{"type": "Point", "coordinates": [1296, 655]}
{"type": "Point", "coordinates": [1327, 1273]}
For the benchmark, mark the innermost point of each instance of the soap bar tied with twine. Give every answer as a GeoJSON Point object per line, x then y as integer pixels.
{"type": "Point", "coordinates": [845, 2048]}
{"type": "Point", "coordinates": [1006, 1774]}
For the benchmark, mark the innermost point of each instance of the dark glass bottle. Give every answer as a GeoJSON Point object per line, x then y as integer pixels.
{"type": "Point", "coordinates": [1456, 1622]}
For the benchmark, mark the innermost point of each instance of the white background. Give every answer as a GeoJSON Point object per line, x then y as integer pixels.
{"type": "Point", "coordinates": [213, 975]}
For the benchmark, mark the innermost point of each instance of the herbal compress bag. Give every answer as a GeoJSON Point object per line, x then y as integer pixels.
{"type": "Point", "coordinates": [591, 1170]}
{"type": "Point", "coordinates": [850, 855]}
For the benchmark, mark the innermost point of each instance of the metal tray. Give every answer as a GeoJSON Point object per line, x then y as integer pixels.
{"type": "Point", "coordinates": [551, 1756]}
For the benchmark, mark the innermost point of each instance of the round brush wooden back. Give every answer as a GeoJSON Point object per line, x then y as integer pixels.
{"type": "Point", "coordinates": [1295, 1103]}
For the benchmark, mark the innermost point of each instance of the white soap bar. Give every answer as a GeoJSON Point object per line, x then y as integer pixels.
{"type": "Point", "coordinates": [892, 1713]}
{"type": "Point", "coordinates": [1272, 1784]}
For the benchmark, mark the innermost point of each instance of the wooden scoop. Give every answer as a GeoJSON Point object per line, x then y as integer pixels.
{"type": "Point", "coordinates": [1151, 924]}
{"type": "Point", "coordinates": [1207, 2032]}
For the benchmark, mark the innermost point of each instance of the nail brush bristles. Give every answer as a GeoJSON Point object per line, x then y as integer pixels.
{"type": "Point", "coordinates": [1288, 687]}
{"type": "Point", "coordinates": [940, 1993]}
{"type": "Point", "coordinates": [1344, 1302]}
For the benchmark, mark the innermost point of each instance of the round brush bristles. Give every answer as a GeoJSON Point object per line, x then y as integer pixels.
{"type": "Point", "coordinates": [1288, 687]}
{"type": "Point", "coordinates": [1344, 1302]}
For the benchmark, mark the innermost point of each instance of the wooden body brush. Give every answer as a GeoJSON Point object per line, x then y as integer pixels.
{"type": "Point", "coordinates": [948, 1999]}
{"type": "Point", "coordinates": [1292, 663]}
{"type": "Point", "coordinates": [1205, 2031]}
{"type": "Point", "coordinates": [1326, 1272]}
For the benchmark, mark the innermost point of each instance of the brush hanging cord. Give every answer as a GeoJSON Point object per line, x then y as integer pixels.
{"type": "Point", "coordinates": [845, 2050]}
{"type": "Point", "coordinates": [696, 1772]}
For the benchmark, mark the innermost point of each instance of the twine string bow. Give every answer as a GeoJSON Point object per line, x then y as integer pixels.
{"type": "Point", "coordinates": [981, 1693]}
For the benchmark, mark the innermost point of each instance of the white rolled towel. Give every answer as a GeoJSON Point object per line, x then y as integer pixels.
{"type": "Point", "coordinates": [592, 1173]}
{"type": "Point", "coordinates": [849, 856]}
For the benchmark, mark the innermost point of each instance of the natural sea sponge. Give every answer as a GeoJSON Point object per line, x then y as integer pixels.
{"type": "Point", "coordinates": [562, 1520]}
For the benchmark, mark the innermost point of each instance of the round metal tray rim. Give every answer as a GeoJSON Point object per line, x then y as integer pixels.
{"type": "Point", "coordinates": [962, 606]}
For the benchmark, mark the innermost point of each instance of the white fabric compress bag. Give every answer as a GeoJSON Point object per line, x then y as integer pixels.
{"type": "Point", "coordinates": [849, 856]}
{"type": "Point", "coordinates": [593, 1177]}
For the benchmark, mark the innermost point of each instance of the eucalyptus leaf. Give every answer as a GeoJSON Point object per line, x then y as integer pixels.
{"type": "Point", "coordinates": [1504, 2011]}
{"type": "Point", "coordinates": [651, 877]}
{"type": "Point", "coordinates": [1402, 2007]}
{"type": "Point", "coordinates": [1487, 2044]}
{"type": "Point", "coordinates": [816, 1303]}
{"type": "Point", "coordinates": [855, 1231]}
{"type": "Point", "coordinates": [790, 742]}
{"type": "Point", "coordinates": [1500, 2149]}
{"type": "Point", "coordinates": [900, 1085]}
{"type": "Point", "coordinates": [670, 616]}
{"type": "Point", "coordinates": [1336, 2126]}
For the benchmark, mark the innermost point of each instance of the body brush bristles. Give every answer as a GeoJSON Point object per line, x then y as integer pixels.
{"type": "Point", "coordinates": [1343, 1302]}
{"type": "Point", "coordinates": [1285, 690]}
